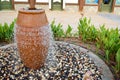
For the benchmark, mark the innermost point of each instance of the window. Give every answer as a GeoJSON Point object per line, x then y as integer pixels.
{"type": "Point", "coordinates": [117, 2]}
{"type": "Point", "coordinates": [91, 1]}
{"type": "Point", "coordinates": [106, 1]}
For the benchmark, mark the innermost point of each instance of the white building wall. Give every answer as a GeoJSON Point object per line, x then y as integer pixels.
{"type": "Point", "coordinates": [42, 0]}
{"type": "Point", "coordinates": [71, 1]}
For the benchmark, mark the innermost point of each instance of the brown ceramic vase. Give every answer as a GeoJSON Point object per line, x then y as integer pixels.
{"type": "Point", "coordinates": [32, 38]}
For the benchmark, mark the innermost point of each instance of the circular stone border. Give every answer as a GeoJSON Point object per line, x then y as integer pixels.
{"type": "Point", "coordinates": [106, 73]}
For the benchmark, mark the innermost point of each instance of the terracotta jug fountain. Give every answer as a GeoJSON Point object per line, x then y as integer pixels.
{"type": "Point", "coordinates": [32, 36]}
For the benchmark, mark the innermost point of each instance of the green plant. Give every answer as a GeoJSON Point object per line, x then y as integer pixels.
{"type": "Point", "coordinates": [86, 30]}
{"type": "Point", "coordinates": [118, 59]}
{"type": "Point", "coordinates": [107, 55]}
{"type": "Point", "coordinates": [92, 33]}
{"type": "Point", "coordinates": [68, 32]}
{"type": "Point", "coordinates": [108, 39]}
{"type": "Point", "coordinates": [1, 31]}
{"type": "Point", "coordinates": [82, 26]}
{"type": "Point", "coordinates": [6, 32]}
{"type": "Point", "coordinates": [57, 30]}
{"type": "Point", "coordinates": [102, 34]}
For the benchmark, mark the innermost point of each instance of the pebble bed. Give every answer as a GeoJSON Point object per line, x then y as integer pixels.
{"type": "Point", "coordinates": [72, 64]}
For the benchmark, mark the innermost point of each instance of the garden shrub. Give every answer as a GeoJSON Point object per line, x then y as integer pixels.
{"type": "Point", "coordinates": [68, 32]}
{"type": "Point", "coordinates": [57, 30]}
{"type": "Point", "coordinates": [118, 60]}
{"type": "Point", "coordinates": [109, 40]}
{"type": "Point", "coordinates": [6, 32]}
{"type": "Point", "coordinates": [87, 31]}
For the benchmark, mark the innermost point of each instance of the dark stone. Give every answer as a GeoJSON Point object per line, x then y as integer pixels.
{"type": "Point", "coordinates": [52, 74]}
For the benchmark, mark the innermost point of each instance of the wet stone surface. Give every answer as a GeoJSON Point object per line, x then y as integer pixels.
{"type": "Point", "coordinates": [72, 64]}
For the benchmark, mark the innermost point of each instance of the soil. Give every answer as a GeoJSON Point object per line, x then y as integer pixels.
{"type": "Point", "coordinates": [3, 43]}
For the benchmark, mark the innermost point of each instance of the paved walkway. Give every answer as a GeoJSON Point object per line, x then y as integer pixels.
{"type": "Point", "coordinates": [69, 16]}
